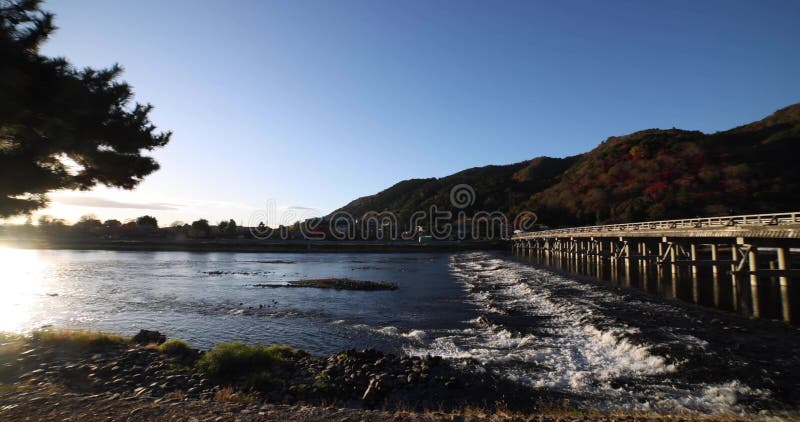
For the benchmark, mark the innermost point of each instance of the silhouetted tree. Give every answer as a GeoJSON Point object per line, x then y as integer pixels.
{"type": "Point", "coordinates": [63, 128]}
{"type": "Point", "coordinates": [112, 224]}
{"type": "Point", "coordinates": [45, 220]}
{"type": "Point", "coordinates": [201, 224]}
{"type": "Point", "coordinates": [88, 220]}
{"type": "Point", "coordinates": [130, 229]}
{"type": "Point", "coordinates": [230, 228]}
{"type": "Point", "coordinates": [147, 221]}
{"type": "Point", "coordinates": [200, 228]}
{"type": "Point", "coordinates": [88, 225]}
{"type": "Point", "coordinates": [51, 226]}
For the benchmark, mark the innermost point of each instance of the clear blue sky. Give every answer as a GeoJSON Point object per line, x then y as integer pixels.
{"type": "Point", "coordinates": [314, 103]}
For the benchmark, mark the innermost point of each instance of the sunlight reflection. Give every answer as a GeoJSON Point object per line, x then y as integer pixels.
{"type": "Point", "coordinates": [21, 286]}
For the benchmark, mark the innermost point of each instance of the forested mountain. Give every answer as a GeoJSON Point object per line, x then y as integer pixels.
{"type": "Point", "coordinates": [651, 174]}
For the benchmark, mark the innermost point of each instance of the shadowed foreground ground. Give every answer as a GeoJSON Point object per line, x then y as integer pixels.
{"type": "Point", "coordinates": [57, 405]}
{"type": "Point", "coordinates": [72, 375]}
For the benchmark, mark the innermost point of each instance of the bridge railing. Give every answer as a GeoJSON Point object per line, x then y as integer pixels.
{"type": "Point", "coordinates": [688, 223]}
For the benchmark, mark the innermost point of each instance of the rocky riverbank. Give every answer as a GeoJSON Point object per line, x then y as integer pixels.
{"type": "Point", "coordinates": [61, 375]}
{"type": "Point", "coordinates": [150, 367]}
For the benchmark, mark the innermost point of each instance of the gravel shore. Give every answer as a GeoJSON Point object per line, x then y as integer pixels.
{"type": "Point", "coordinates": [68, 406]}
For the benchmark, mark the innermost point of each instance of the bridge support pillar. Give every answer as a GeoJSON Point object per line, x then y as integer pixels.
{"type": "Point", "coordinates": [598, 258]}
{"type": "Point", "coordinates": [715, 274]}
{"type": "Point", "coordinates": [786, 310]}
{"type": "Point", "coordinates": [714, 268]}
{"type": "Point", "coordinates": [673, 258]}
{"type": "Point", "coordinates": [715, 281]}
{"type": "Point", "coordinates": [734, 278]}
{"type": "Point", "coordinates": [645, 265]}
{"type": "Point", "coordinates": [614, 268]}
{"type": "Point", "coordinates": [752, 258]}
{"type": "Point", "coordinates": [695, 281]}
{"type": "Point", "coordinates": [627, 262]}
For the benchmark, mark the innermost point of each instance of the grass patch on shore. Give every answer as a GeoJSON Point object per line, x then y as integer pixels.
{"type": "Point", "coordinates": [230, 361]}
{"type": "Point", "coordinates": [11, 343]}
{"type": "Point", "coordinates": [78, 339]}
{"type": "Point", "coordinates": [228, 395]}
{"type": "Point", "coordinates": [6, 338]}
{"type": "Point", "coordinates": [10, 346]}
{"type": "Point", "coordinates": [175, 347]}
{"type": "Point", "coordinates": [183, 356]}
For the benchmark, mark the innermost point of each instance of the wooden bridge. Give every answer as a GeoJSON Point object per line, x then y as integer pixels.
{"type": "Point", "coordinates": [748, 241]}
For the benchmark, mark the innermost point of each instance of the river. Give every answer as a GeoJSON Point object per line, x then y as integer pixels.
{"type": "Point", "coordinates": [611, 347]}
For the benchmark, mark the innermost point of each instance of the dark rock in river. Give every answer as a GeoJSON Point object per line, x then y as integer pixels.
{"type": "Point", "coordinates": [336, 283]}
{"type": "Point", "coordinates": [146, 337]}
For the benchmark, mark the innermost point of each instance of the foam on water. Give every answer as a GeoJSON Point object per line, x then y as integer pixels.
{"type": "Point", "coordinates": [415, 336]}
{"type": "Point", "coordinates": [567, 350]}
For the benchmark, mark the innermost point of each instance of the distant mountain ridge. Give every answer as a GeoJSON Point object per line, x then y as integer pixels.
{"type": "Point", "coordinates": [650, 174]}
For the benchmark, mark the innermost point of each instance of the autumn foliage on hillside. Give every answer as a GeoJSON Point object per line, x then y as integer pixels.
{"type": "Point", "coordinates": [647, 175]}
{"type": "Point", "coordinates": [659, 174]}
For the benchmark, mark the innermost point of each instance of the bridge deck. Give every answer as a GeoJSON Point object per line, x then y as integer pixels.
{"type": "Point", "coordinates": [760, 226]}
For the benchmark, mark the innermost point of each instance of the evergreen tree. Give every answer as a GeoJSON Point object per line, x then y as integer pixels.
{"type": "Point", "coordinates": [60, 127]}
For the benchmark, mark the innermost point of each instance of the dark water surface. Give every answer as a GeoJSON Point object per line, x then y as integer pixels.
{"type": "Point", "coordinates": [614, 348]}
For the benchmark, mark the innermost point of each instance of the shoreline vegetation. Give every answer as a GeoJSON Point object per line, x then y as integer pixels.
{"type": "Point", "coordinates": [57, 374]}
{"type": "Point", "coordinates": [250, 245]}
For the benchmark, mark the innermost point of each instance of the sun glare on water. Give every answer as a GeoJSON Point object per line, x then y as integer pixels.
{"type": "Point", "coordinates": [21, 286]}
